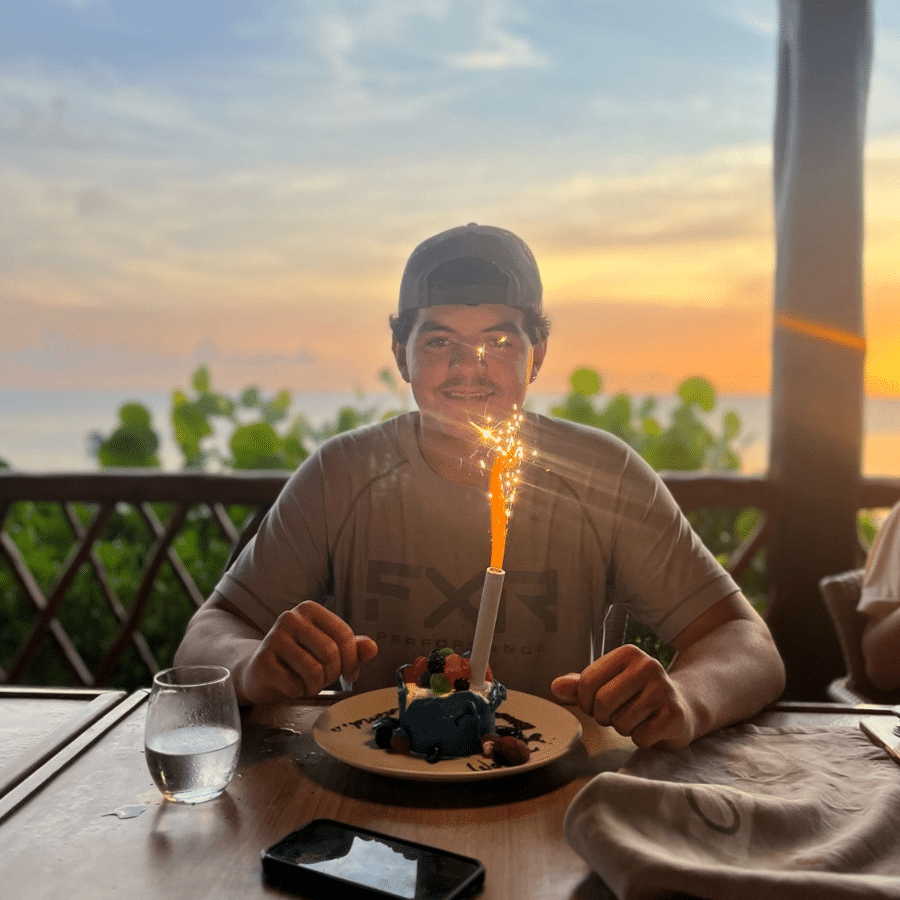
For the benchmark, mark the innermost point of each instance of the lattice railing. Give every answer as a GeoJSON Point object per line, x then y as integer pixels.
{"type": "Point", "coordinates": [75, 613]}
{"type": "Point", "coordinates": [74, 610]}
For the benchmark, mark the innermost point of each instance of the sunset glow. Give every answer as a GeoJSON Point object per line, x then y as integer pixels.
{"type": "Point", "coordinates": [222, 187]}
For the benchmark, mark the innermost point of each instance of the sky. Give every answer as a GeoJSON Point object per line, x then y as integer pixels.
{"type": "Point", "coordinates": [239, 184]}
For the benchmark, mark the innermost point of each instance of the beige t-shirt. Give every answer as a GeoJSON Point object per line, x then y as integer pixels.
{"type": "Point", "coordinates": [400, 553]}
{"type": "Point", "coordinates": [881, 581]}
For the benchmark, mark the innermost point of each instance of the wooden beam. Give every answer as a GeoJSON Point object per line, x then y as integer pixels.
{"type": "Point", "coordinates": [818, 337]}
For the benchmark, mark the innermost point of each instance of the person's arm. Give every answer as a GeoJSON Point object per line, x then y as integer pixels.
{"type": "Point", "coordinates": [306, 649]}
{"type": "Point", "coordinates": [881, 651]}
{"type": "Point", "coordinates": [725, 670]}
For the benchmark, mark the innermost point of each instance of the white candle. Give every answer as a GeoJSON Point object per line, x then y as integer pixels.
{"type": "Point", "coordinates": [484, 629]}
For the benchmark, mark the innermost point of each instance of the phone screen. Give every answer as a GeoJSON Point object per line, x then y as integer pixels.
{"type": "Point", "coordinates": [325, 852]}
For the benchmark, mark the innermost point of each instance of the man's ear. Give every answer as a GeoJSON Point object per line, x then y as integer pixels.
{"type": "Point", "coordinates": [399, 351]}
{"type": "Point", "coordinates": [537, 359]}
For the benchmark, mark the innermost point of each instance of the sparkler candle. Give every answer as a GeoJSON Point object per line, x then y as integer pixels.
{"type": "Point", "coordinates": [504, 478]}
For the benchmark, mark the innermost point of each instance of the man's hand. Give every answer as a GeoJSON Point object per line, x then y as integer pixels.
{"type": "Point", "coordinates": [726, 668]}
{"type": "Point", "coordinates": [306, 649]}
{"type": "Point", "coordinates": [632, 692]}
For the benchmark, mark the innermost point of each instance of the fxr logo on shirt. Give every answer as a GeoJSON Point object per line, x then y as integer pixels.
{"type": "Point", "coordinates": [388, 581]}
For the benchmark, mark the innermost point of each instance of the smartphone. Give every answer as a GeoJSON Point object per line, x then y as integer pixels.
{"type": "Point", "coordinates": [324, 856]}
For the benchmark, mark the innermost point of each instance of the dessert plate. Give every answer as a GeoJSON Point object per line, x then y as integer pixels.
{"type": "Point", "coordinates": [344, 731]}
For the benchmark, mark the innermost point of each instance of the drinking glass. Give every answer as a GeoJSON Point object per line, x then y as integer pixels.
{"type": "Point", "coordinates": [193, 732]}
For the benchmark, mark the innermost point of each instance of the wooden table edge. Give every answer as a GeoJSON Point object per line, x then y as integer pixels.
{"type": "Point", "coordinates": [21, 767]}
{"type": "Point", "coordinates": [806, 706]}
{"type": "Point", "coordinates": [67, 743]}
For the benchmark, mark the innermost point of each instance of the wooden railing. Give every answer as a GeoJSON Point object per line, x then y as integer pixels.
{"type": "Point", "coordinates": [163, 507]}
{"type": "Point", "coordinates": [163, 503]}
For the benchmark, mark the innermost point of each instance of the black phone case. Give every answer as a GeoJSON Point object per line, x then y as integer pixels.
{"type": "Point", "coordinates": [285, 874]}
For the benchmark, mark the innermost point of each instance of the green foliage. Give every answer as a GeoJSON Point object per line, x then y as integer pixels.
{"type": "Point", "coordinates": [255, 443]}
{"type": "Point", "coordinates": [44, 538]}
{"type": "Point", "coordinates": [259, 433]}
{"type": "Point", "coordinates": [867, 527]}
{"type": "Point", "coordinates": [134, 442]}
{"type": "Point", "coordinates": [685, 443]}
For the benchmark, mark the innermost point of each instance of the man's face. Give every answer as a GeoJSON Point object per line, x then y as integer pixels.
{"type": "Point", "coordinates": [466, 363]}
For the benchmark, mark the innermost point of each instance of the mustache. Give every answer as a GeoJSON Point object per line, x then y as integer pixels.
{"type": "Point", "coordinates": [477, 381]}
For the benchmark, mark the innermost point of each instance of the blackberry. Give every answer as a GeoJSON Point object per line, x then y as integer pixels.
{"type": "Point", "coordinates": [435, 661]}
{"type": "Point", "coordinates": [383, 729]}
{"type": "Point", "coordinates": [424, 680]}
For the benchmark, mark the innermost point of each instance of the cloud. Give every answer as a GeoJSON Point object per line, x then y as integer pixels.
{"type": "Point", "coordinates": [756, 16]}
{"type": "Point", "coordinates": [81, 5]}
{"type": "Point", "coordinates": [498, 47]}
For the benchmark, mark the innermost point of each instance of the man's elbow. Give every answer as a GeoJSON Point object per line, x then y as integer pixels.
{"type": "Point", "coordinates": [882, 665]}
{"type": "Point", "coordinates": [884, 674]}
{"type": "Point", "coordinates": [772, 669]}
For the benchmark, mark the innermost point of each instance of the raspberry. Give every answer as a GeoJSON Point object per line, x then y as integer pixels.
{"type": "Point", "coordinates": [453, 667]}
{"type": "Point", "coordinates": [419, 666]}
{"type": "Point", "coordinates": [409, 674]}
{"type": "Point", "coordinates": [512, 751]}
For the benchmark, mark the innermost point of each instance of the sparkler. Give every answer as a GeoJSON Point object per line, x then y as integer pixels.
{"type": "Point", "coordinates": [508, 455]}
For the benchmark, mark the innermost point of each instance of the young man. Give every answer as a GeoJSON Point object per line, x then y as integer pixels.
{"type": "Point", "coordinates": [376, 551]}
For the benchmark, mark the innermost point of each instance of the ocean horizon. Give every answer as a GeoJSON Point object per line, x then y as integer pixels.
{"type": "Point", "coordinates": [49, 430]}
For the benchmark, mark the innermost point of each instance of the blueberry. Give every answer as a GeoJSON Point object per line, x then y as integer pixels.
{"type": "Point", "coordinates": [461, 684]}
{"type": "Point", "coordinates": [424, 680]}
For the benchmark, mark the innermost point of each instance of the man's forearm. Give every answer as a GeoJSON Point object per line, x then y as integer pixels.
{"type": "Point", "coordinates": [217, 637]}
{"type": "Point", "coordinates": [729, 674]}
{"type": "Point", "coordinates": [881, 650]}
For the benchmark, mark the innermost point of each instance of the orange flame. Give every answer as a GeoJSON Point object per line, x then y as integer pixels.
{"type": "Point", "coordinates": [504, 479]}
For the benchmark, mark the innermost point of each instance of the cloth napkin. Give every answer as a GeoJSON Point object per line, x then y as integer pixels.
{"type": "Point", "coordinates": [763, 813]}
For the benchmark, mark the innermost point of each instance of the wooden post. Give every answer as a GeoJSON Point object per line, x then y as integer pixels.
{"type": "Point", "coordinates": [818, 337]}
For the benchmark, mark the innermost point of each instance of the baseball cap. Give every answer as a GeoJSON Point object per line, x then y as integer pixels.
{"type": "Point", "coordinates": [472, 264]}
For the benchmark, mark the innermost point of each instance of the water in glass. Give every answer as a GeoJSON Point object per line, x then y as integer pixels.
{"type": "Point", "coordinates": [193, 732]}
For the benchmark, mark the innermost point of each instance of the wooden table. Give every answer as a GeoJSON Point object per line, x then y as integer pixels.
{"type": "Point", "coordinates": [64, 838]}
{"type": "Point", "coordinates": [36, 723]}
